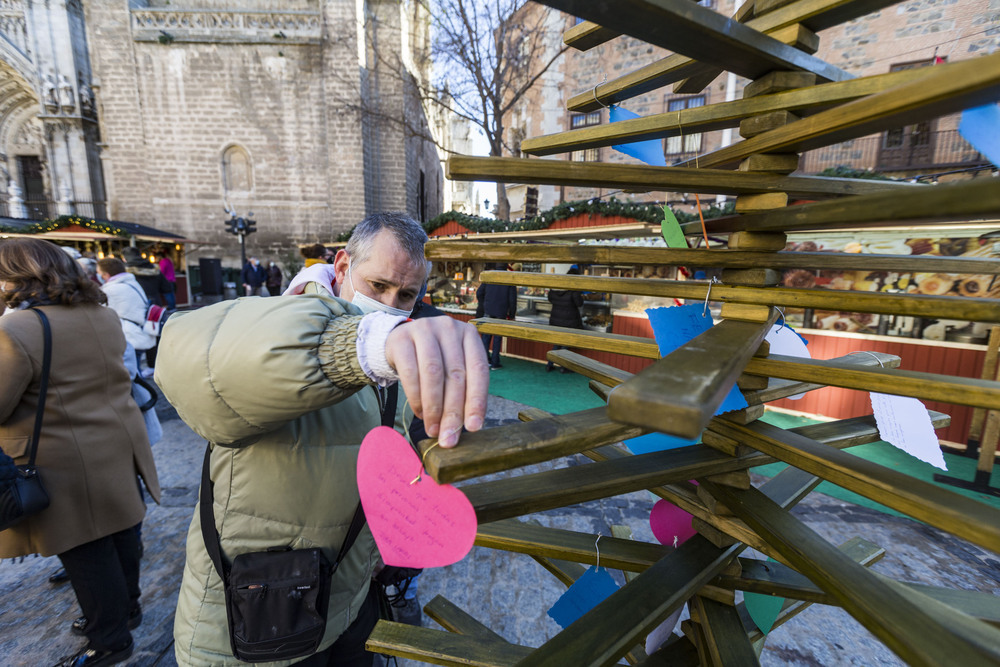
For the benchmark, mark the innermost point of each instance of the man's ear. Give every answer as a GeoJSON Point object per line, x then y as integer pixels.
{"type": "Point", "coordinates": [340, 263]}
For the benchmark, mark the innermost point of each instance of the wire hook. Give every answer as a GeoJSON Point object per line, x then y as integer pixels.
{"type": "Point", "coordinates": [874, 356]}
{"type": "Point", "coordinates": [780, 310]}
{"type": "Point", "coordinates": [704, 311]}
{"type": "Point", "coordinates": [598, 548]}
{"type": "Point", "coordinates": [595, 91]}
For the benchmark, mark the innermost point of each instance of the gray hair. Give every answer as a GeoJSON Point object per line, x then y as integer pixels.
{"type": "Point", "coordinates": [408, 233]}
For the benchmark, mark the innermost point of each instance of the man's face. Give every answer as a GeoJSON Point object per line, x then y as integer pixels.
{"type": "Point", "coordinates": [389, 275]}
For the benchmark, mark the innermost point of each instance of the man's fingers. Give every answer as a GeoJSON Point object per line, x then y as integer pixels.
{"type": "Point", "coordinates": [430, 367]}
{"type": "Point", "coordinates": [477, 379]}
{"type": "Point", "coordinates": [401, 355]}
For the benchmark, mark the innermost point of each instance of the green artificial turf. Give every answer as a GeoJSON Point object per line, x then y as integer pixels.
{"type": "Point", "coordinates": [560, 393]}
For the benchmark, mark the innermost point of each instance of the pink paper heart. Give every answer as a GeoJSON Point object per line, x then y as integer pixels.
{"type": "Point", "coordinates": [671, 525]}
{"type": "Point", "coordinates": [422, 524]}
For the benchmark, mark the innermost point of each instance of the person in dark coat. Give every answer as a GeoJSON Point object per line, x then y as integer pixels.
{"type": "Point", "coordinates": [274, 279]}
{"type": "Point", "coordinates": [499, 301]}
{"type": "Point", "coordinates": [565, 311]}
{"type": "Point", "coordinates": [253, 277]}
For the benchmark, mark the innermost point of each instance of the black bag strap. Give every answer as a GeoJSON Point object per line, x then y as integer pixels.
{"type": "Point", "coordinates": [43, 388]}
{"type": "Point", "coordinates": [153, 396]}
{"type": "Point", "coordinates": [210, 533]}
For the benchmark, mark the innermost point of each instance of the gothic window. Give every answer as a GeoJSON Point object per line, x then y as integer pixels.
{"type": "Point", "coordinates": [237, 170]}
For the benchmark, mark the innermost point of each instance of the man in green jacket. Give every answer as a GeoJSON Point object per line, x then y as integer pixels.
{"type": "Point", "coordinates": [283, 389]}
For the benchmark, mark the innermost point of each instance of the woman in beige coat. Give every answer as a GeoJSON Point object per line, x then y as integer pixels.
{"type": "Point", "coordinates": [93, 441]}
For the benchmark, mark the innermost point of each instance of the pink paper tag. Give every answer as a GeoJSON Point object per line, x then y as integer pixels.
{"type": "Point", "coordinates": [421, 524]}
{"type": "Point", "coordinates": [671, 525]}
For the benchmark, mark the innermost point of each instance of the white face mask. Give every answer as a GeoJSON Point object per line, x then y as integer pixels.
{"type": "Point", "coordinates": [370, 305]}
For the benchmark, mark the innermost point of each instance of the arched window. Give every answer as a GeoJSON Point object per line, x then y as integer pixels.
{"type": "Point", "coordinates": [237, 170]}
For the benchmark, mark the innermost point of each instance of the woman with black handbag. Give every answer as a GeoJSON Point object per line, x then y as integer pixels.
{"type": "Point", "coordinates": [93, 440]}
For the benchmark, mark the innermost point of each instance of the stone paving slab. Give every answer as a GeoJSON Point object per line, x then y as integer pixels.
{"type": "Point", "coordinates": [508, 592]}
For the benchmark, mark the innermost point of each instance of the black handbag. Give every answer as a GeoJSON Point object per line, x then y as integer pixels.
{"type": "Point", "coordinates": [21, 490]}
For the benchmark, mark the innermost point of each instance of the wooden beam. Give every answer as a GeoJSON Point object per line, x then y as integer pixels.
{"type": "Point", "coordinates": [970, 200]}
{"type": "Point", "coordinates": [672, 179]}
{"type": "Point", "coordinates": [453, 618]}
{"type": "Point", "coordinates": [730, 259]}
{"type": "Point", "coordinates": [925, 386]}
{"type": "Point", "coordinates": [519, 537]}
{"type": "Point", "coordinates": [686, 28]}
{"type": "Point", "coordinates": [950, 511]}
{"type": "Point", "coordinates": [493, 450]}
{"type": "Point", "coordinates": [714, 116]}
{"type": "Point", "coordinates": [442, 648]}
{"type": "Point", "coordinates": [618, 474]}
{"type": "Point", "coordinates": [813, 14]}
{"type": "Point", "coordinates": [940, 91]}
{"type": "Point", "coordinates": [725, 637]}
{"type": "Point", "coordinates": [975, 309]}
{"type": "Point", "coordinates": [586, 35]}
{"type": "Point", "coordinates": [680, 393]}
{"type": "Point", "coordinates": [916, 628]}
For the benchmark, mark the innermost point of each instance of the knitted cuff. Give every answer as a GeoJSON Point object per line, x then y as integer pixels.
{"type": "Point", "coordinates": [339, 355]}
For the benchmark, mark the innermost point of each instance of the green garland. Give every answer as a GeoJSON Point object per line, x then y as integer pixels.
{"type": "Point", "coordinates": [65, 221]}
{"type": "Point", "coordinates": [641, 211]}
{"type": "Point", "coordinates": [843, 171]}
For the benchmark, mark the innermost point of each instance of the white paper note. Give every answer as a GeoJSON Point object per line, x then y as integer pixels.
{"type": "Point", "coordinates": [784, 340]}
{"type": "Point", "coordinates": [903, 422]}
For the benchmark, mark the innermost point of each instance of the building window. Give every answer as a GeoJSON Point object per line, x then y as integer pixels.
{"type": "Point", "coordinates": [577, 121]}
{"type": "Point", "coordinates": [237, 170]}
{"type": "Point", "coordinates": [685, 143]}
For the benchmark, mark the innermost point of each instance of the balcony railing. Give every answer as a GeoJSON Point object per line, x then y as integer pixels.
{"type": "Point", "coordinates": [44, 209]}
{"type": "Point", "coordinates": [902, 150]}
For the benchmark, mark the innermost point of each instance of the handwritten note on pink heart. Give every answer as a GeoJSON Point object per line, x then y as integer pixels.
{"type": "Point", "coordinates": [423, 524]}
{"type": "Point", "coordinates": [671, 525]}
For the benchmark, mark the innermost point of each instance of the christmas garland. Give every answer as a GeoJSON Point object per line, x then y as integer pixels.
{"type": "Point", "coordinates": [65, 221]}
{"type": "Point", "coordinates": [641, 211]}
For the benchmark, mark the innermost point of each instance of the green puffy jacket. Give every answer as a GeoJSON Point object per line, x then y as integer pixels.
{"type": "Point", "coordinates": [274, 384]}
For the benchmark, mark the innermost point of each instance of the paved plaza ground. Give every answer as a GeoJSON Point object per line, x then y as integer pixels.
{"type": "Point", "coordinates": [508, 592]}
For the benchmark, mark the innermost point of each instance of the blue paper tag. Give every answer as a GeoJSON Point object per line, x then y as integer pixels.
{"type": "Point", "coordinates": [981, 128]}
{"type": "Point", "coordinates": [650, 152]}
{"type": "Point", "coordinates": [675, 326]}
{"type": "Point", "coordinates": [657, 442]}
{"type": "Point", "coordinates": [593, 587]}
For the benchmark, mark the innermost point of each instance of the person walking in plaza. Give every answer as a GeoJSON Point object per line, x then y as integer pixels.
{"type": "Point", "coordinates": [313, 254]}
{"type": "Point", "coordinates": [254, 276]}
{"type": "Point", "coordinates": [499, 301]}
{"type": "Point", "coordinates": [126, 298]}
{"type": "Point", "coordinates": [273, 279]}
{"type": "Point", "coordinates": [283, 463]}
{"type": "Point", "coordinates": [93, 442]}
{"type": "Point", "coordinates": [155, 286]}
{"type": "Point", "coordinates": [565, 311]}
{"type": "Point", "coordinates": [166, 266]}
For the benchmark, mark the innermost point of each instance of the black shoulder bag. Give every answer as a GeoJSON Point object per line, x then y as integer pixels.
{"type": "Point", "coordinates": [21, 490]}
{"type": "Point", "coordinates": [276, 600]}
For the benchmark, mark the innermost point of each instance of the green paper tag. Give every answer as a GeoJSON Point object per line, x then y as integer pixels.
{"type": "Point", "coordinates": [763, 609]}
{"type": "Point", "coordinates": [671, 229]}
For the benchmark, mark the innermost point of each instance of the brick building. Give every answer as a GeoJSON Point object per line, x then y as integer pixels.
{"type": "Point", "coordinates": [909, 34]}
{"type": "Point", "coordinates": [302, 111]}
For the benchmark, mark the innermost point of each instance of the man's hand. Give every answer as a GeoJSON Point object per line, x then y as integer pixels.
{"type": "Point", "coordinates": [443, 370]}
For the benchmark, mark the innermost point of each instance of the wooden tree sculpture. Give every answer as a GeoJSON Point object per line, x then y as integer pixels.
{"type": "Point", "coordinates": [795, 102]}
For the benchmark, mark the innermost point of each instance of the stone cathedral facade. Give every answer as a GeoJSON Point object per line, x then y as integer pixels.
{"type": "Point", "coordinates": [304, 112]}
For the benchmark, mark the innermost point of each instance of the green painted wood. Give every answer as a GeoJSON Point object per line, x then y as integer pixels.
{"type": "Point", "coordinates": [942, 90]}
{"type": "Point", "coordinates": [517, 445]}
{"type": "Point", "coordinates": [919, 632]}
{"type": "Point", "coordinates": [972, 309]}
{"type": "Point", "coordinates": [453, 618]}
{"type": "Point", "coordinates": [442, 648]}
{"type": "Point", "coordinates": [537, 492]}
{"type": "Point", "coordinates": [520, 537]}
{"type": "Point", "coordinates": [700, 33]}
{"type": "Point", "coordinates": [727, 259]}
{"type": "Point", "coordinates": [813, 14]}
{"type": "Point", "coordinates": [713, 116]}
{"type": "Point", "coordinates": [963, 517]}
{"type": "Point", "coordinates": [680, 393]}
{"type": "Point", "coordinates": [725, 635]}
{"type": "Point", "coordinates": [672, 179]}
{"type": "Point", "coordinates": [969, 200]}
{"type": "Point", "coordinates": [586, 35]}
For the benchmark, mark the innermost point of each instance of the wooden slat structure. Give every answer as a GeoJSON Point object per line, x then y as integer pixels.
{"type": "Point", "coordinates": [771, 42]}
